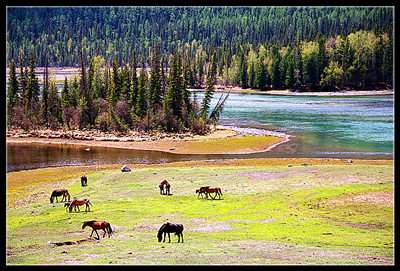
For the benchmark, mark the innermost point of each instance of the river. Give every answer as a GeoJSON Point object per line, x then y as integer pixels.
{"type": "Point", "coordinates": [337, 127]}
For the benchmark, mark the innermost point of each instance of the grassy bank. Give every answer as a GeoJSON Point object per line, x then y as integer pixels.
{"type": "Point", "coordinates": [337, 213]}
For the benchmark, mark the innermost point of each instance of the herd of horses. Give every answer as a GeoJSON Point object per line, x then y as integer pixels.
{"type": "Point", "coordinates": [166, 228]}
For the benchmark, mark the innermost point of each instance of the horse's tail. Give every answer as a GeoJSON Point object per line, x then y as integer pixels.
{"type": "Point", "coordinates": [110, 231]}
{"type": "Point", "coordinates": [220, 191]}
{"type": "Point", "coordinates": [88, 201]}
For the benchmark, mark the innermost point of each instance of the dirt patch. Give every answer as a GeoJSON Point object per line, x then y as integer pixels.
{"type": "Point", "coordinates": [263, 175]}
{"type": "Point", "coordinates": [68, 243]}
{"type": "Point", "coordinates": [85, 258]}
{"type": "Point", "coordinates": [209, 226]}
{"type": "Point", "coordinates": [381, 197]}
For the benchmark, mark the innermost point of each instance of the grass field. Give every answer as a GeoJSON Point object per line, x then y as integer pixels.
{"type": "Point", "coordinates": [316, 214]}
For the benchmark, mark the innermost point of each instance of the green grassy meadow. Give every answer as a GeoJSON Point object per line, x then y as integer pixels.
{"type": "Point", "coordinates": [319, 214]}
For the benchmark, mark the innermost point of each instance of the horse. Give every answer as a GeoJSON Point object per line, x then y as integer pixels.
{"type": "Point", "coordinates": [170, 227]}
{"type": "Point", "coordinates": [98, 225]}
{"type": "Point", "coordinates": [78, 202]}
{"type": "Point", "coordinates": [59, 192]}
{"type": "Point", "coordinates": [167, 187]}
{"type": "Point", "coordinates": [83, 180]}
{"type": "Point", "coordinates": [211, 189]}
{"type": "Point", "coordinates": [161, 186]}
{"type": "Point", "coordinates": [201, 191]}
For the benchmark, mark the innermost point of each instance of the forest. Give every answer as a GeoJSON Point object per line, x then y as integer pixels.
{"type": "Point", "coordinates": [138, 63]}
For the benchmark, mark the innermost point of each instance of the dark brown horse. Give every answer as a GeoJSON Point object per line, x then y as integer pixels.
{"type": "Point", "coordinates": [83, 180]}
{"type": "Point", "coordinates": [170, 227]}
{"type": "Point", "coordinates": [59, 192]}
{"type": "Point", "coordinates": [201, 191]}
{"type": "Point", "coordinates": [167, 188]}
{"type": "Point", "coordinates": [210, 189]}
{"type": "Point", "coordinates": [98, 225]}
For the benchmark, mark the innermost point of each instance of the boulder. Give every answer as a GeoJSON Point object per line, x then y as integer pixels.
{"type": "Point", "coordinates": [125, 169]}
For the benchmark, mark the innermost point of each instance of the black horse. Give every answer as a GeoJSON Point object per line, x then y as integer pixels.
{"type": "Point", "coordinates": [83, 180]}
{"type": "Point", "coordinates": [170, 227]}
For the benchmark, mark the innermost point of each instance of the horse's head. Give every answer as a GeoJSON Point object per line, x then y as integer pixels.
{"type": "Point", "coordinates": [51, 199]}
{"type": "Point", "coordinates": [160, 232]}
{"type": "Point", "coordinates": [84, 225]}
{"type": "Point", "coordinates": [69, 197]}
{"type": "Point", "coordinates": [197, 191]}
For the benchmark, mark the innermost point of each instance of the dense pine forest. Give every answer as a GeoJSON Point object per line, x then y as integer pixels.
{"type": "Point", "coordinates": [137, 63]}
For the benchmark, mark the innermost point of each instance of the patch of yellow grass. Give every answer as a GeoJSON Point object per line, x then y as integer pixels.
{"type": "Point", "coordinates": [242, 144]}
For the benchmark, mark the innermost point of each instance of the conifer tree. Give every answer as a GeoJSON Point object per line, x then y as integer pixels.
{"type": "Point", "coordinates": [155, 91]}
{"type": "Point", "coordinates": [12, 92]}
{"type": "Point", "coordinates": [173, 97]}
{"type": "Point", "coordinates": [45, 96]}
{"type": "Point", "coordinates": [141, 108]}
{"type": "Point", "coordinates": [211, 79]}
{"type": "Point", "coordinates": [134, 85]}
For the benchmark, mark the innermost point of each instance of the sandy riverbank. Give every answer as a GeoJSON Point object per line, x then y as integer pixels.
{"type": "Point", "coordinates": [222, 140]}
{"type": "Point", "coordinates": [381, 92]}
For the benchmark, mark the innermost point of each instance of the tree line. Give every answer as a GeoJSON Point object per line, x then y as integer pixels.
{"type": "Point", "coordinates": [112, 98]}
{"type": "Point", "coordinates": [55, 34]}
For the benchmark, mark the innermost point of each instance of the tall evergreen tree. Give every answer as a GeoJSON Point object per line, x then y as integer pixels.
{"type": "Point", "coordinates": [142, 106]}
{"type": "Point", "coordinates": [155, 91]}
{"type": "Point", "coordinates": [211, 79]}
{"type": "Point", "coordinates": [134, 85]}
{"type": "Point", "coordinates": [45, 96]}
{"type": "Point", "coordinates": [12, 92]}
{"type": "Point", "coordinates": [173, 100]}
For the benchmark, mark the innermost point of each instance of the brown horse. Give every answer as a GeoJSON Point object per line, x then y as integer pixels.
{"type": "Point", "coordinates": [59, 192]}
{"type": "Point", "coordinates": [78, 202]}
{"type": "Point", "coordinates": [201, 191]}
{"type": "Point", "coordinates": [98, 225]}
{"type": "Point", "coordinates": [170, 227]}
{"type": "Point", "coordinates": [210, 189]}
{"type": "Point", "coordinates": [167, 187]}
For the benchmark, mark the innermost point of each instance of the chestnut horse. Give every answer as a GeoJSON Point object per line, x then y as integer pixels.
{"type": "Point", "coordinates": [98, 225]}
{"type": "Point", "coordinates": [78, 202]}
{"type": "Point", "coordinates": [210, 189]}
{"type": "Point", "coordinates": [170, 227]}
{"type": "Point", "coordinates": [167, 187]}
{"type": "Point", "coordinates": [201, 191]}
{"type": "Point", "coordinates": [59, 192]}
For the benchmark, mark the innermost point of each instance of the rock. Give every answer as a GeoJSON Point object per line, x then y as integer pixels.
{"type": "Point", "coordinates": [304, 164]}
{"type": "Point", "coordinates": [349, 161]}
{"type": "Point", "coordinates": [125, 168]}
{"type": "Point", "coordinates": [289, 165]}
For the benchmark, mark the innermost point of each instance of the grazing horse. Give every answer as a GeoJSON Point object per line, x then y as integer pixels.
{"type": "Point", "coordinates": [83, 180]}
{"type": "Point", "coordinates": [59, 192]}
{"type": "Point", "coordinates": [167, 187]}
{"type": "Point", "coordinates": [98, 225]}
{"type": "Point", "coordinates": [201, 191]}
{"type": "Point", "coordinates": [211, 189]}
{"type": "Point", "coordinates": [78, 202]}
{"type": "Point", "coordinates": [170, 227]}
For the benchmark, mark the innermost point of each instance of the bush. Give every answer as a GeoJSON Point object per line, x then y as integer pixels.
{"type": "Point", "coordinates": [101, 122]}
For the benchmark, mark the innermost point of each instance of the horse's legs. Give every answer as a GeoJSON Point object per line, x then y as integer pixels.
{"type": "Point", "coordinates": [182, 236]}
{"type": "Point", "coordinates": [164, 236]}
{"type": "Point", "coordinates": [105, 233]}
{"type": "Point", "coordinates": [78, 208]}
{"type": "Point", "coordinates": [169, 237]}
